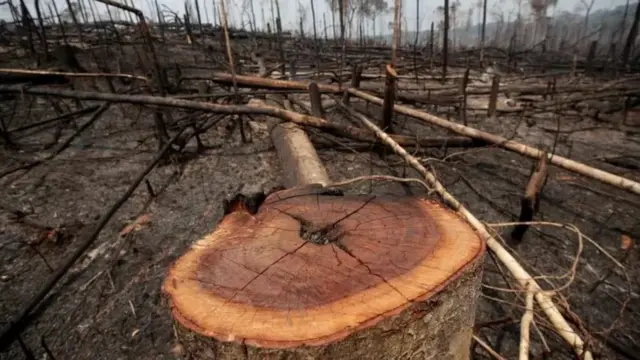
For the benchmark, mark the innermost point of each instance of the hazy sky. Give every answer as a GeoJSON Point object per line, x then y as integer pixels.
{"type": "Point", "coordinates": [289, 10]}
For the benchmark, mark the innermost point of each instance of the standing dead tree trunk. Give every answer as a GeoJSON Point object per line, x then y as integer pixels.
{"type": "Point", "coordinates": [524, 279]}
{"type": "Point", "coordinates": [530, 201]}
{"type": "Point", "coordinates": [445, 41]}
{"type": "Point", "coordinates": [484, 27]}
{"type": "Point", "coordinates": [253, 16]}
{"type": "Point", "coordinates": [326, 29]}
{"type": "Point", "coordinates": [396, 32]}
{"type": "Point", "coordinates": [623, 23]}
{"type": "Point", "coordinates": [333, 18]}
{"type": "Point", "coordinates": [283, 58]}
{"type": "Point", "coordinates": [633, 33]}
{"type": "Point", "coordinates": [215, 13]}
{"type": "Point", "coordinates": [199, 16]}
{"type": "Point", "coordinates": [159, 75]}
{"type": "Point", "coordinates": [315, 31]}
{"type": "Point", "coordinates": [415, 41]}
{"type": "Point", "coordinates": [389, 99]}
{"type": "Point", "coordinates": [431, 46]}
{"type": "Point", "coordinates": [45, 45]}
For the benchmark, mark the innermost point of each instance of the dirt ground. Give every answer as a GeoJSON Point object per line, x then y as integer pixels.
{"type": "Point", "coordinates": [110, 305]}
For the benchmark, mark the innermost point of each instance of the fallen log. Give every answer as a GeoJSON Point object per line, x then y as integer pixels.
{"type": "Point", "coordinates": [436, 92]}
{"type": "Point", "coordinates": [310, 273]}
{"type": "Point", "coordinates": [350, 132]}
{"type": "Point", "coordinates": [567, 164]}
{"type": "Point", "coordinates": [298, 157]}
{"type": "Point", "coordinates": [557, 160]}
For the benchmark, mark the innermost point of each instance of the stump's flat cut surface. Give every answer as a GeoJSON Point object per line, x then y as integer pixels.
{"type": "Point", "coordinates": [312, 269]}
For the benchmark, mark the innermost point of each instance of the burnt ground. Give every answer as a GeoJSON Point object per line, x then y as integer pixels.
{"type": "Point", "coordinates": [110, 304]}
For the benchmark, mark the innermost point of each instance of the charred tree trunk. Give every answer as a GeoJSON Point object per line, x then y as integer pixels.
{"type": "Point", "coordinates": [324, 20]}
{"type": "Point", "coordinates": [45, 46]}
{"type": "Point", "coordinates": [333, 18]}
{"type": "Point", "coordinates": [315, 31]}
{"type": "Point", "coordinates": [253, 16]}
{"type": "Point", "coordinates": [389, 99]}
{"type": "Point", "coordinates": [445, 41]}
{"type": "Point", "coordinates": [199, 17]}
{"type": "Point", "coordinates": [341, 14]}
{"type": "Point", "coordinates": [431, 46]}
{"type": "Point", "coordinates": [633, 33]}
{"type": "Point", "coordinates": [215, 13]}
{"type": "Point", "coordinates": [484, 27]}
{"type": "Point", "coordinates": [623, 22]}
{"type": "Point", "coordinates": [396, 32]}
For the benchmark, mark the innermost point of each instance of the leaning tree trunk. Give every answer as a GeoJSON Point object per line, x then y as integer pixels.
{"type": "Point", "coordinates": [311, 273]}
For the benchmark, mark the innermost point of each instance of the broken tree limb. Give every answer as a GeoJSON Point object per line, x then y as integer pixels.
{"type": "Point", "coordinates": [529, 202]}
{"type": "Point", "coordinates": [336, 129]}
{"type": "Point", "coordinates": [389, 98]}
{"type": "Point", "coordinates": [522, 149]}
{"type": "Point", "coordinates": [262, 83]}
{"type": "Point", "coordinates": [557, 160]}
{"type": "Point", "coordinates": [298, 158]}
{"type": "Point", "coordinates": [268, 83]}
{"type": "Point", "coordinates": [69, 74]}
{"type": "Point", "coordinates": [312, 273]}
{"type": "Point", "coordinates": [519, 273]}
{"type": "Point", "coordinates": [12, 329]}
{"type": "Point", "coordinates": [60, 146]}
{"type": "Point", "coordinates": [567, 164]}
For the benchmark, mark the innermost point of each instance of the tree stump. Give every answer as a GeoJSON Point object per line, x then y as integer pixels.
{"type": "Point", "coordinates": [311, 274]}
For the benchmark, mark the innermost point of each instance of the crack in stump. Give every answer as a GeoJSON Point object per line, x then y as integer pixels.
{"type": "Point", "coordinates": [324, 236]}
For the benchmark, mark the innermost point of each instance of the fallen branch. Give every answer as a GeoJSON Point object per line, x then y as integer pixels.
{"type": "Point", "coordinates": [510, 145]}
{"type": "Point", "coordinates": [72, 74]}
{"type": "Point", "coordinates": [519, 273]}
{"type": "Point", "coordinates": [62, 146]}
{"type": "Point", "coordinates": [488, 348]}
{"type": "Point", "coordinates": [12, 329]}
{"type": "Point", "coordinates": [350, 132]}
{"type": "Point", "coordinates": [64, 117]}
{"type": "Point", "coordinates": [567, 164]}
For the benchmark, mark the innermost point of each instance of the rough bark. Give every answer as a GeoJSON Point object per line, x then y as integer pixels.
{"type": "Point", "coordinates": [298, 158]}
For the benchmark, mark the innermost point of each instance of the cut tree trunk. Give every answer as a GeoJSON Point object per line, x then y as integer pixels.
{"type": "Point", "coordinates": [310, 273]}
